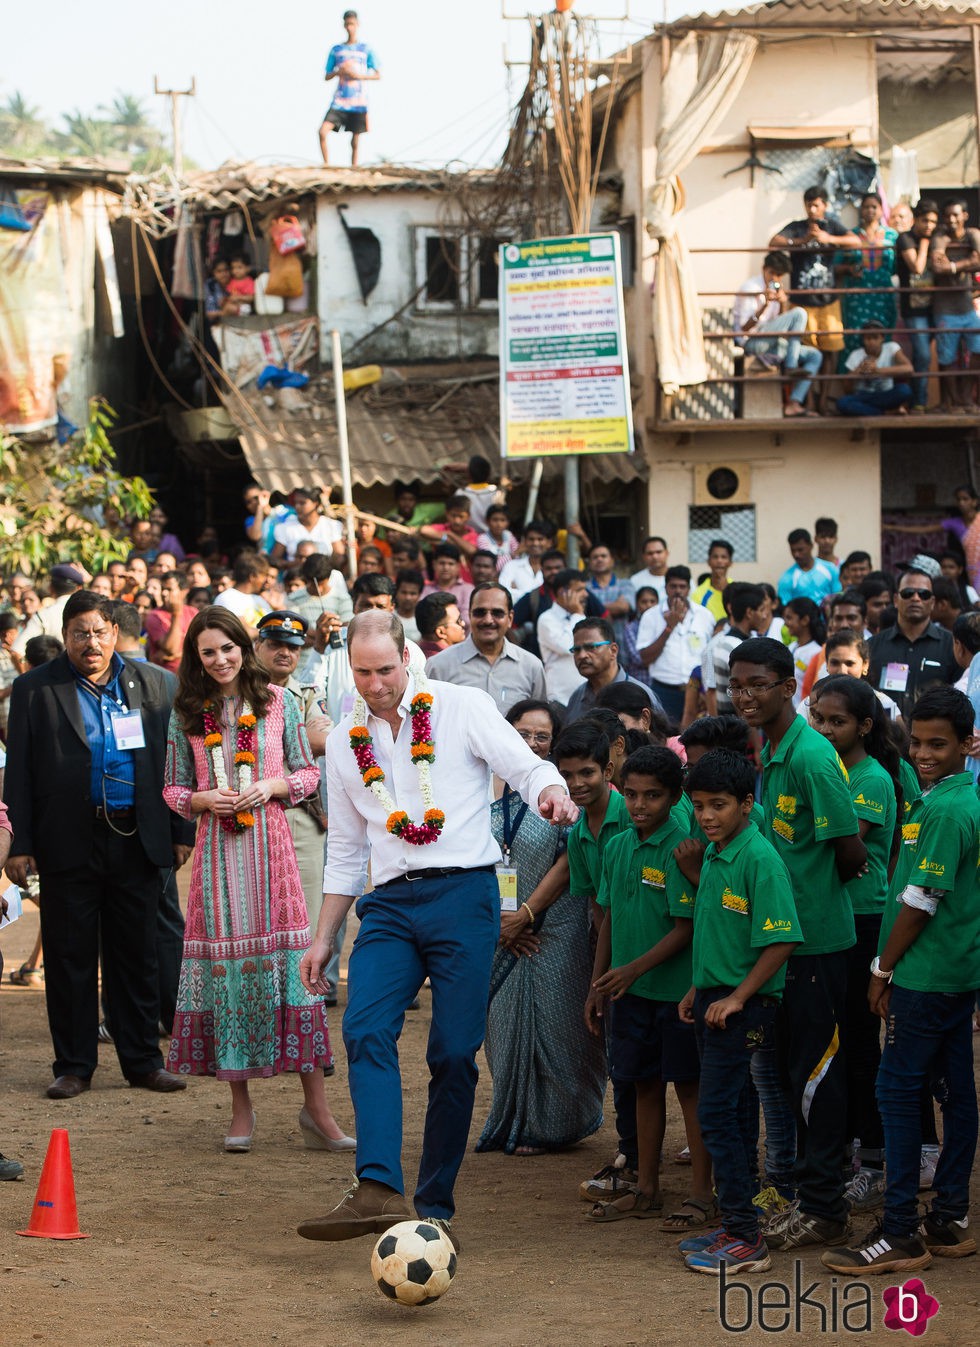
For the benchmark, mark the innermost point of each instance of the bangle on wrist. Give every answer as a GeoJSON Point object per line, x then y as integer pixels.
{"type": "Point", "coordinates": [878, 972]}
{"type": "Point", "coordinates": [527, 909]}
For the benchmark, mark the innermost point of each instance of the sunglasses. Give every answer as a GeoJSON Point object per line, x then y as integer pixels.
{"type": "Point", "coordinates": [916, 594]}
{"type": "Point", "coordinates": [498, 614]}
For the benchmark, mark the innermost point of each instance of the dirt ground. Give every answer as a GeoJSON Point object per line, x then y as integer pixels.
{"type": "Point", "coordinates": [191, 1247]}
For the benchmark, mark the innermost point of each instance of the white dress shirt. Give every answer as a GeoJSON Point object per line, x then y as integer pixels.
{"type": "Point", "coordinates": [325, 532]}
{"type": "Point", "coordinates": [647, 580]}
{"type": "Point", "coordinates": [682, 650]}
{"type": "Point", "coordinates": [555, 627]}
{"type": "Point", "coordinates": [519, 578]}
{"type": "Point", "coordinates": [471, 741]}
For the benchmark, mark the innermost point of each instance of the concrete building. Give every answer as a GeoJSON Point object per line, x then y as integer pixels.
{"type": "Point", "coordinates": [819, 84]}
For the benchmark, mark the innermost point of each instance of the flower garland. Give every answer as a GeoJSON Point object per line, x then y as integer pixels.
{"type": "Point", "coordinates": [423, 755]}
{"type": "Point", "coordinates": [244, 760]}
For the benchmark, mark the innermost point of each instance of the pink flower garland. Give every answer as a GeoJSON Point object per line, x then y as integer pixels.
{"type": "Point", "coordinates": [423, 754]}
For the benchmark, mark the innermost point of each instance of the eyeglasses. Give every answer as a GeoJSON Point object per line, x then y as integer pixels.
{"type": "Point", "coordinates": [498, 614]}
{"type": "Point", "coordinates": [737, 693]}
{"type": "Point", "coordinates": [589, 645]}
{"type": "Point", "coordinates": [535, 736]}
{"type": "Point", "coordinates": [103, 636]}
{"type": "Point", "coordinates": [916, 594]}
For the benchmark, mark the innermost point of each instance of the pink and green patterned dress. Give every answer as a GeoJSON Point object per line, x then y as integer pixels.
{"type": "Point", "coordinates": [242, 1010]}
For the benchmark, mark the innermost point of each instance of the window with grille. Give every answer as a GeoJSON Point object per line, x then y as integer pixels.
{"type": "Point", "coordinates": [734, 523]}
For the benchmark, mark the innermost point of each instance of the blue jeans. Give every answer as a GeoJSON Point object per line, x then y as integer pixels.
{"type": "Point", "coordinates": [777, 1109]}
{"type": "Point", "coordinates": [726, 1055]}
{"type": "Point", "coordinates": [928, 1040]}
{"type": "Point", "coordinates": [786, 348]}
{"type": "Point", "coordinates": [445, 929]}
{"type": "Point", "coordinates": [873, 402]}
{"type": "Point", "coordinates": [918, 325]}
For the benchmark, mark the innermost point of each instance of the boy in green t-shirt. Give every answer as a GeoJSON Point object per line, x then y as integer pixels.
{"type": "Point", "coordinates": [923, 985]}
{"type": "Point", "coordinates": [745, 927]}
{"type": "Point", "coordinates": [643, 969]}
{"type": "Point", "coordinates": [811, 823]}
{"type": "Point", "coordinates": [583, 758]}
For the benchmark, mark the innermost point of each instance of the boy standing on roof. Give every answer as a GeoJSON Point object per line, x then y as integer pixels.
{"type": "Point", "coordinates": [351, 64]}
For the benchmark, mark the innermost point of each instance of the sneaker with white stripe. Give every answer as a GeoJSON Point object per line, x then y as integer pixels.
{"type": "Point", "coordinates": [879, 1253]}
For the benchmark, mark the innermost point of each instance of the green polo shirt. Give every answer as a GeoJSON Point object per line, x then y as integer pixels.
{"type": "Point", "coordinates": [807, 803]}
{"type": "Point", "coordinates": [744, 902]}
{"type": "Point", "coordinates": [911, 790]}
{"type": "Point", "coordinates": [944, 827]}
{"type": "Point", "coordinates": [644, 891]}
{"type": "Point", "coordinates": [585, 851]}
{"type": "Point", "coordinates": [873, 797]}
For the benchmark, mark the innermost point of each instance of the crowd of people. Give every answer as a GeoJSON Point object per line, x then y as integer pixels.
{"type": "Point", "coordinates": [648, 827]}
{"type": "Point", "coordinates": [869, 307]}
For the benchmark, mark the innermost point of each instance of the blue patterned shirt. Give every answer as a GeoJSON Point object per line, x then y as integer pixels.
{"type": "Point", "coordinates": [112, 768]}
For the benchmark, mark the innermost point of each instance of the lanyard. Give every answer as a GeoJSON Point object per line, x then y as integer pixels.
{"type": "Point", "coordinates": [510, 832]}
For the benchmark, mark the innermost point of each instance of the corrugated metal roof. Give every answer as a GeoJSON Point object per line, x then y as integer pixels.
{"type": "Point", "coordinates": [103, 172]}
{"type": "Point", "coordinates": [233, 185]}
{"type": "Point", "coordinates": [843, 14]}
{"type": "Point", "coordinates": [397, 430]}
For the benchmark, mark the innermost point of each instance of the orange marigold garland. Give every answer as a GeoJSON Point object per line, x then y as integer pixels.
{"type": "Point", "coordinates": [244, 758]}
{"type": "Point", "coordinates": [423, 752]}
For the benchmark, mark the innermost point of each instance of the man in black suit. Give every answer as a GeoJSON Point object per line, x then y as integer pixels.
{"type": "Point", "coordinates": [85, 760]}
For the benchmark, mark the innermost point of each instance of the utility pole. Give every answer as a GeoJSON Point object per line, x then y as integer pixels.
{"type": "Point", "coordinates": [174, 95]}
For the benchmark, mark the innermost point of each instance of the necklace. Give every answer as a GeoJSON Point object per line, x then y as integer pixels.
{"type": "Point", "coordinates": [423, 755]}
{"type": "Point", "coordinates": [244, 759]}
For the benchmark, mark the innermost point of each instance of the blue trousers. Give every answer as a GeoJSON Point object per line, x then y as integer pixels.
{"type": "Point", "coordinates": [447, 930]}
{"type": "Point", "coordinates": [726, 1057]}
{"type": "Point", "coordinates": [928, 1041]}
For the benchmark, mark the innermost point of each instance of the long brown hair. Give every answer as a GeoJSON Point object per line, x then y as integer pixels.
{"type": "Point", "coordinates": [195, 687]}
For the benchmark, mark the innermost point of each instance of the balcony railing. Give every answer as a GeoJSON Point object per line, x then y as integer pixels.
{"type": "Point", "coordinates": [739, 395]}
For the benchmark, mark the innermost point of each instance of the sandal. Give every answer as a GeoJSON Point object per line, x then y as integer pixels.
{"type": "Point", "coordinates": [529, 1150]}
{"type": "Point", "coordinates": [640, 1205]}
{"type": "Point", "coordinates": [26, 976]}
{"type": "Point", "coordinates": [693, 1215]}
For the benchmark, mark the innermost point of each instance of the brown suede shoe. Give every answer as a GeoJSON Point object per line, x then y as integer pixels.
{"type": "Point", "coordinates": [368, 1208]}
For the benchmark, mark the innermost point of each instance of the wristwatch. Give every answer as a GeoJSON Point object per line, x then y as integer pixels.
{"type": "Point", "coordinates": [878, 972]}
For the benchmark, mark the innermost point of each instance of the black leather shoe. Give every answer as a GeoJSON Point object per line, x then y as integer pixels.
{"type": "Point", "coordinates": [163, 1082]}
{"type": "Point", "coordinates": [68, 1087]}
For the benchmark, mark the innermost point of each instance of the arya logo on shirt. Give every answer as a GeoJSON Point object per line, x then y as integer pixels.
{"type": "Point", "coordinates": [784, 829]}
{"type": "Point", "coordinates": [786, 804]}
{"type": "Point", "coordinates": [655, 878]}
{"type": "Point", "coordinates": [734, 902]}
{"type": "Point", "coordinates": [934, 868]}
{"type": "Point", "coordinates": [780, 924]}
{"type": "Point", "coordinates": [876, 805]}
{"type": "Point", "coordinates": [910, 833]}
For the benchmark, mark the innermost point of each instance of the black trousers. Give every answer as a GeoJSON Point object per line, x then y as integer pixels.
{"type": "Point", "coordinates": [862, 1042]}
{"type": "Point", "coordinates": [170, 947]}
{"type": "Point", "coordinates": [812, 1061]}
{"type": "Point", "coordinates": [117, 893]}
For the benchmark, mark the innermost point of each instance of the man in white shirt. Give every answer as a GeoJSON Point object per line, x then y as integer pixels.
{"type": "Point", "coordinates": [244, 599]}
{"type": "Point", "coordinates": [555, 628]}
{"type": "Point", "coordinates": [654, 572]}
{"type": "Point", "coordinates": [872, 388]}
{"type": "Point", "coordinates": [524, 573]}
{"type": "Point", "coordinates": [770, 328]}
{"type": "Point", "coordinates": [670, 640]}
{"type": "Point", "coordinates": [434, 910]}
{"type": "Point", "coordinates": [310, 525]}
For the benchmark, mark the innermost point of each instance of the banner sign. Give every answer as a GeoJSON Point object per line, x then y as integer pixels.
{"type": "Point", "coordinates": [564, 371]}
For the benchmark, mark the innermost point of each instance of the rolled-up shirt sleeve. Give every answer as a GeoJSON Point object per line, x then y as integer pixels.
{"type": "Point", "coordinates": [345, 871]}
{"type": "Point", "coordinates": [502, 748]}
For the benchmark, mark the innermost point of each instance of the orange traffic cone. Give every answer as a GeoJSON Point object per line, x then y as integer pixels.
{"type": "Point", "coordinates": [55, 1215]}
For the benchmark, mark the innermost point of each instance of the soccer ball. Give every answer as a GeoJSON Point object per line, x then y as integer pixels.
{"type": "Point", "coordinates": [413, 1263]}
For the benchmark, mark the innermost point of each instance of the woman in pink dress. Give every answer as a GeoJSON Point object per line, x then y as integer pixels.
{"type": "Point", "coordinates": [237, 753]}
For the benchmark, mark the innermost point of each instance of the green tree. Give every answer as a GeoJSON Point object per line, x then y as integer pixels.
{"type": "Point", "coordinates": [90, 137]}
{"type": "Point", "coordinates": [52, 499]}
{"type": "Point", "coordinates": [22, 129]}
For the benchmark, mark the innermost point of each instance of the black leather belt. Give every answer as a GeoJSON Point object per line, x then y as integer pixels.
{"type": "Point", "coordinates": [115, 815]}
{"type": "Point", "coordinates": [438, 872]}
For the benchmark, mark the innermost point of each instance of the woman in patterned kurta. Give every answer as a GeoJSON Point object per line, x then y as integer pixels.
{"type": "Point", "coordinates": [242, 1011]}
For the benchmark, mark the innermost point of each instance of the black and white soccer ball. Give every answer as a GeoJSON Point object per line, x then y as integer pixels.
{"type": "Point", "coordinates": [413, 1263]}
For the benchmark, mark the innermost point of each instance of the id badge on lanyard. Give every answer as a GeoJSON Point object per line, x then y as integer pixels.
{"type": "Point", "coordinates": [127, 730]}
{"type": "Point", "coordinates": [507, 873]}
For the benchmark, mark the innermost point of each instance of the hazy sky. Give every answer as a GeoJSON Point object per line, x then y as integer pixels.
{"type": "Point", "coordinates": [444, 94]}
